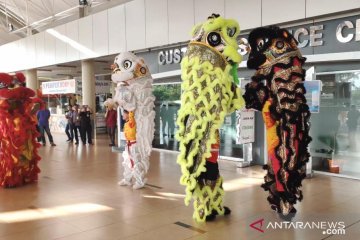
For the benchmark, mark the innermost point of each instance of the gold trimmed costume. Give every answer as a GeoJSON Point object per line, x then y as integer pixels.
{"type": "Point", "coordinates": [278, 62]}
{"type": "Point", "coordinates": [209, 74]}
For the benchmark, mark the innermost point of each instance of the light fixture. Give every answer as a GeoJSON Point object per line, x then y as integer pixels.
{"type": "Point", "coordinates": [10, 27]}
{"type": "Point", "coordinates": [83, 2]}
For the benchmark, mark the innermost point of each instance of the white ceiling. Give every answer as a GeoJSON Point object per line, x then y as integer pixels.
{"type": "Point", "coordinates": [43, 14]}
{"type": "Point", "coordinates": [73, 69]}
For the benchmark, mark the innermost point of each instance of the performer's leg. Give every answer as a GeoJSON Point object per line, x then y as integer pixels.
{"type": "Point", "coordinates": [128, 171]}
{"type": "Point", "coordinates": [202, 207]}
{"type": "Point", "coordinates": [209, 194]}
{"type": "Point", "coordinates": [140, 169]}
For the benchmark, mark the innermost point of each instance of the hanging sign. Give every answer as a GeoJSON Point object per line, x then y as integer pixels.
{"type": "Point", "coordinates": [59, 87]}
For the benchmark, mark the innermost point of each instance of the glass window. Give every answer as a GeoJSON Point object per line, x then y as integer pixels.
{"type": "Point", "coordinates": [335, 130]}
{"type": "Point", "coordinates": [167, 104]}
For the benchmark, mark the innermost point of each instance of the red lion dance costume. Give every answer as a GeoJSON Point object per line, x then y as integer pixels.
{"type": "Point", "coordinates": [277, 61]}
{"type": "Point", "coordinates": [18, 146]}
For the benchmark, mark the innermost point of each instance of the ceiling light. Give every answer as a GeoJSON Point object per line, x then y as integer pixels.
{"type": "Point", "coordinates": [10, 27]}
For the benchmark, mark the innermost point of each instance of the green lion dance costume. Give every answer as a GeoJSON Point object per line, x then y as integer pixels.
{"type": "Point", "coordinates": [209, 73]}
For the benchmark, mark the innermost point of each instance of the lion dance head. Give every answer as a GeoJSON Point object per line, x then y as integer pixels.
{"type": "Point", "coordinates": [128, 66]}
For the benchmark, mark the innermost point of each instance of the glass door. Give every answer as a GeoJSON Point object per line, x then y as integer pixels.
{"type": "Point", "coordinates": [335, 129]}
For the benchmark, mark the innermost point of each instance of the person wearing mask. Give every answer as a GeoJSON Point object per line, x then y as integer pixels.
{"type": "Point", "coordinates": [43, 116]}
{"type": "Point", "coordinates": [68, 128]}
{"type": "Point", "coordinates": [110, 119]}
{"type": "Point", "coordinates": [75, 123]}
{"type": "Point", "coordinates": [85, 124]}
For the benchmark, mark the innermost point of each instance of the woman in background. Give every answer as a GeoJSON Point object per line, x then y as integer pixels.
{"type": "Point", "coordinates": [110, 118]}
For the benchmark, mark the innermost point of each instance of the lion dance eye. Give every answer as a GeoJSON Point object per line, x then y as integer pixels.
{"type": "Point", "coordinates": [231, 32]}
{"type": "Point", "coordinates": [260, 44]}
{"type": "Point", "coordinates": [127, 64]}
{"type": "Point", "coordinates": [279, 44]}
{"type": "Point", "coordinates": [214, 39]}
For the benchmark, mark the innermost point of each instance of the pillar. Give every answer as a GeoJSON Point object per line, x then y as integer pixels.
{"type": "Point", "coordinates": [88, 83]}
{"type": "Point", "coordinates": [88, 88]}
{"type": "Point", "coordinates": [31, 79]}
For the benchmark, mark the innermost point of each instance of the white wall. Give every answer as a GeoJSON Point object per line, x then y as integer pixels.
{"type": "Point", "coordinates": [321, 7]}
{"type": "Point", "coordinates": [277, 11]}
{"type": "Point", "coordinates": [141, 24]}
{"type": "Point", "coordinates": [180, 26]}
{"type": "Point", "coordinates": [86, 36]}
{"type": "Point", "coordinates": [117, 33]}
{"type": "Point", "coordinates": [157, 25]}
{"type": "Point", "coordinates": [135, 25]}
{"type": "Point", "coordinates": [246, 12]}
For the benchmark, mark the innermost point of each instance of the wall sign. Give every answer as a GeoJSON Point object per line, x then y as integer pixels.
{"type": "Point", "coordinates": [245, 126]}
{"type": "Point", "coordinates": [171, 55]}
{"type": "Point", "coordinates": [73, 86]}
{"type": "Point", "coordinates": [337, 35]}
{"type": "Point", "coordinates": [59, 87]}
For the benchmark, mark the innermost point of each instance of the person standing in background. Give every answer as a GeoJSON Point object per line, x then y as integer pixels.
{"type": "Point", "coordinates": [43, 116]}
{"type": "Point", "coordinates": [75, 122]}
{"type": "Point", "coordinates": [110, 118]}
{"type": "Point", "coordinates": [85, 124]}
{"type": "Point", "coordinates": [68, 128]}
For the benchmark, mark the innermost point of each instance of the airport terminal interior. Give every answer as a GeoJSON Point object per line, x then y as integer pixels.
{"type": "Point", "coordinates": [179, 119]}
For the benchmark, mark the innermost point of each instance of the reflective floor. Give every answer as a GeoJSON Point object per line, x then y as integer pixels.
{"type": "Point", "coordinates": [77, 197]}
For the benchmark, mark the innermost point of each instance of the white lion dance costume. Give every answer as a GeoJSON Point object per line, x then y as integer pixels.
{"type": "Point", "coordinates": [134, 94]}
{"type": "Point", "coordinates": [209, 73]}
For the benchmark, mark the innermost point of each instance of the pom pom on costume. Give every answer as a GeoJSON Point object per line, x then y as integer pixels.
{"type": "Point", "coordinates": [277, 61]}
{"type": "Point", "coordinates": [18, 146]}
{"type": "Point", "coordinates": [209, 94]}
{"type": "Point", "coordinates": [134, 94]}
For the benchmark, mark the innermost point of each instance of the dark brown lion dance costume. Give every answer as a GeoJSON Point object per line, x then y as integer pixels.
{"type": "Point", "coordinates": [278, 91]}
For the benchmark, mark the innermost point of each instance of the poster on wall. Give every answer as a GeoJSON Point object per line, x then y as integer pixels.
{"type": "Point", "coordinates": [313, 92]}
{"type": "Point", "coordinates": [245, 127]}
{"type": "Point", "coordinates": [101, 86]}
{"type": "Point", "coordinates": [59, 87]}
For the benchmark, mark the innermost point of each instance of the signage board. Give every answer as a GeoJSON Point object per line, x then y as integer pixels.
{"type": "Point", "coordinates": [245, 126]}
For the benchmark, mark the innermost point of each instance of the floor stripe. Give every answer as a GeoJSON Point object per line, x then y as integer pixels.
{"type": "Point", "coordinates": [190, 227]}
{"type": "Point", "coordinates": [150, 185]}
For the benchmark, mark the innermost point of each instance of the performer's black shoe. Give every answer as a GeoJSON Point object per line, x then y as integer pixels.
{"type": "Point", "coordinates": [211, 217]}
{"type": "Point", "coordinates": [227, 211]}
{"type": "Point", "coordinates": [289, 216]}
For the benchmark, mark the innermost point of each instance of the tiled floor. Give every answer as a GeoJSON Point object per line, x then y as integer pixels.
{"type": "Point", "coordinates": [77, 198]}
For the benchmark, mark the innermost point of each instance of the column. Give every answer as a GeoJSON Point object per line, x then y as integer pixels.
{"type": "Point", "coordinates": [31, 79]}
{"type": "Point", "coordinates": [88, 83]}
{"type": "Point", "coordinates": [88, 88]}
